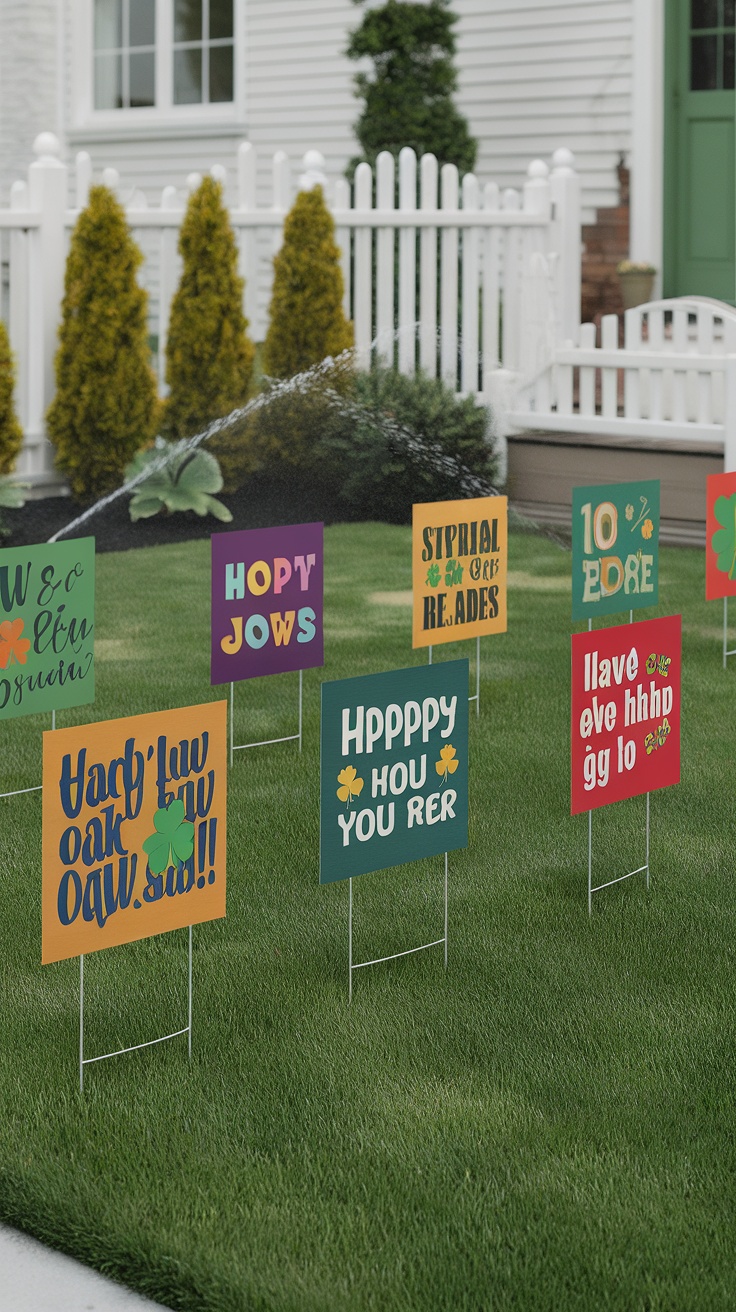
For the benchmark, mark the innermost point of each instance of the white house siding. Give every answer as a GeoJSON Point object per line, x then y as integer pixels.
{"type": "Point", "coordinates": [29, 83]}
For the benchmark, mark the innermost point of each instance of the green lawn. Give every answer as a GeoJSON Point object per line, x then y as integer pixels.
{"type": "Point", "coordinates": [549, 1125]}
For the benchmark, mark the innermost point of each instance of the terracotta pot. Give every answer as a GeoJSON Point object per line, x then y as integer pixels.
{"type": "Point", "coordinates": [636, 288]}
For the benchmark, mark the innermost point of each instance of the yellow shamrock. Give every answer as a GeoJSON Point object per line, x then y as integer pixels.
{"type": "Point", "coordinates": [647, 529]}
{"type": "Point", "coordinates": [351, 785]}
{"type": "Point", "coordinates": [446, 764]}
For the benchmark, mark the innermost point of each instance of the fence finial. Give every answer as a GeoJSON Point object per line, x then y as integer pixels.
{"type": "Point", "coordinates": [563, 160]}
{"type": "Point", "coordinates": [47, 147]}
{"type": "Point", "coordinates": [314, 171]}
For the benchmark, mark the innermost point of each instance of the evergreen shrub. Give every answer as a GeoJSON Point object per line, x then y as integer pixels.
{"type": "Point", "coordinates": [209, 355]}
{"type": "Point", "coordinates": [106, 404]}
{"type": "Point", "coordinates": [407, 99]}
{"type": "Point", "coordinates": [11, 433]}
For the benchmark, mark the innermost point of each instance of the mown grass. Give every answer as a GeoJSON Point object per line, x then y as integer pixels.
{"type": "Point", "coordinates": [548, 1125]}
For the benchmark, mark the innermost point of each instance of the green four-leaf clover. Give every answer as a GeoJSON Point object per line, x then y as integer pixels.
{"type": "Point", "coordinates": [723, 541]}
{"type": "Point", "coordinates": [173, 840]}
{"type": "Point", "coordinates": [433, 575]}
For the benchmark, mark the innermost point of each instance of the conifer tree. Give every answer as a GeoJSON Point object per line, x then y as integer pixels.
{"type": "Point", "coordinates": [106, 406]}
{"type": "Point", "coordinates": [209, 355]}
{"type": "Point", "coordinates": [11, 433]}
{"type": "Point", "coordinates": [407, 100]}
{"type": "Point", "coordinates": [307, 322]}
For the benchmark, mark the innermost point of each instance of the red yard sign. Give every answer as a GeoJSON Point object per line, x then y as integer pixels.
{"type": "Point", "coordinates": [720, 536]}
{"type": "Point", "coordinates": [625, 711]}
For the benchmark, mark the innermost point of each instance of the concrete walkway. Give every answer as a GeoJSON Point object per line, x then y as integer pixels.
{"type": "Point", "coordinates": [34, 1278]}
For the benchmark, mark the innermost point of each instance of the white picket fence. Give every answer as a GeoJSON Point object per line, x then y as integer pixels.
{"type": "Point", "coordinates": [447, 263]}
{"type": "Point", "coordinates": [672, 377]}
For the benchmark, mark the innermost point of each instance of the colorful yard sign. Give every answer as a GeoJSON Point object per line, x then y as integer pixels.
{"type": "Point", "coordinates": [134, 828]}
{"type": "Point", "coordinates": [615, 548]}
{"type": "Point", "coordinates": [720, 536]}
{"type": "Point", "coordinates": [47, 602]}
{"type": "Point", "coordinates": [459, 562]}
{"type": "Point", "coordinates": [394, 768]}
{"type": "Point", "coordinates": [267, 598]}
{"type": "Point", "coordinates": [625, 711]}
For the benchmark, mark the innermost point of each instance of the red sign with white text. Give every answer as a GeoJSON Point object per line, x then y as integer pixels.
{"type": "Point", "coordinates": [625, 711]}
{"type": "Point", "coordinates": [720, 536]}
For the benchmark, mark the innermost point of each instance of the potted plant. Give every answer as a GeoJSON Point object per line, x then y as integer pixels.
{"type": "Point", "coordinates": [637, 281]}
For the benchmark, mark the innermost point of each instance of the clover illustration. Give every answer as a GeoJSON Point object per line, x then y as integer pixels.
{"type": "Point", "coordinates": [173, 840]}
{"type": "Point", "coordinates": [433, 575]}
{"type": "Point", "coordinates": [453, 573]}
{"type": "Point", "coordinates": [12, 646]}
{"type": "Point", "coordinates": [352, 786]}
{"type": "Point", "coordinates": [723, 541]}
{"type": "Point", "coordinates": [447, 763]}
{"type": "Point", "coordinates": [647, 529]}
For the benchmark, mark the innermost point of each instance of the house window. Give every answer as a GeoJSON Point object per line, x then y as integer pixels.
{"type": "Point", "coordinates": [712, 38]}
{"type": "Point", "coordinates": [203, 52]}
{"type": "Point", "coordinates": [124, 54]}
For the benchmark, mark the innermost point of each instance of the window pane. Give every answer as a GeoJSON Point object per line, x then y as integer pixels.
{"type": "Point", "coordinates": [142, 22]}
{"type": "Point", "coordinates": [108, 82]}
{"type": "Point", "coordinates": [188, 20]}
{"type": "Point", "coordinates": [188, 77]}
{"type": "Point", "coordinates": [108, 24]}
{"type": "Point", "coordinates": [142, 80]}
{"type": "Point", "coordinates": [704, 63]}
{"type": "Point", "coordinates": [221, 73]}
{"type": "Point", "coordinates": [729, 13]}
{"type": "Point", "coordinates": [704, 13]}
{"type": "Point", "coordinates": [728, 62]}
{"type": "Point", "coordinates": [221, 19]}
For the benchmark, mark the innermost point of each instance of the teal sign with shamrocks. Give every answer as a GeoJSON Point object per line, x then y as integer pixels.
{"type": "Point", "coordinates": [394, 768]}
{"type": "Point", "coordinates": [615, 548]}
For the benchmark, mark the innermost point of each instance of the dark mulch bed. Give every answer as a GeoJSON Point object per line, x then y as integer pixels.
{"type": "Point", "coordinates": [265, 500]}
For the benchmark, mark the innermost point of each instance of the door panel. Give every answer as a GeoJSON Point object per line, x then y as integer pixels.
{"type": "Point", "coordinates": [700, 150]}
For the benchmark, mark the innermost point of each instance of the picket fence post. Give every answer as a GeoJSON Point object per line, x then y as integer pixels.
{"type": "Point", "coordinates": [47, 195]}
{"type": "Point", "coordinates": [567, 242]}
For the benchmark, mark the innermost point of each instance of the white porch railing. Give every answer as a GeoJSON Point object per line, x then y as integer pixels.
{"type": "Point", "coordinates": [672, 377]}
{"type": "Point", "coordinates": [448, 259]}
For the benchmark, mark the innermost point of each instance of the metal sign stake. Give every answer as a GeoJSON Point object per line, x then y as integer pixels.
{"type": "Point", "coordinates": [37, 788]}
{"type": "Point", "coordinates": [392, 956]}
{"type": "Point", "coordinates": [726, 652]}
{"type": "Point", "coordinates": [119, 1052]}
{"type": "Point", "coordinates": [267, 742]}
{"type": "Point", "coordinates": [639, 870]}
{"type": "Point", "coordinates": [475, 697]}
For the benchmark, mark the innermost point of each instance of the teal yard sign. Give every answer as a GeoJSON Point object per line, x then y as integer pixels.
{"type": "Point", "coordinates": [615, 548]}
{"type": "Point", "coordinates": [394, 768]}
{"type": "Point", "coordinates": [47, 601]}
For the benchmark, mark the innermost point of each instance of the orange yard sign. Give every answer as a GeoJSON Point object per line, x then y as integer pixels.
{"type": "Point", "coordinates": [134, 828]}
{"type": "Point", "coordinates": [459, 562]}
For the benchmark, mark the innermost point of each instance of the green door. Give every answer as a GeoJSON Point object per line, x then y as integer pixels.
{"type": "Point", "coordinates": [700, 149]}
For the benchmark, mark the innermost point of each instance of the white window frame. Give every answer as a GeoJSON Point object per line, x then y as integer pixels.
{"type": "Point", "coordinates": [164, 114]}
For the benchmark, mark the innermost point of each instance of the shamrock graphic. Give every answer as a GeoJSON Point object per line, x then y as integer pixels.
{"type": "Point", "coordinates": [447, 763]}
{"type": "Point", "coordinates": [647, 529]}
{"type": "Point", "coordinates": [173, 840]}
{"type": "Point", "coordinates": [12, 646]}
{"type": "Point", "coordinates": [352, 786]}
{"type": "Point", "coordinates": [723, 541]}
{"type": "Point", "coordinates": [453, 573]}
{"type": "Point", "coordinates": [433, 575]}
{"type": "Point", "coordinates": [629, 511]}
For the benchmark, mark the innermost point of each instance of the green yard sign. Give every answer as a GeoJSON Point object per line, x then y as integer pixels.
{"type": "Point", "coordinates": [47, 600]}
{"type": "Point", "coordinates": [615, 548]}
{"type": "Point", "coordinates": [394, 768]}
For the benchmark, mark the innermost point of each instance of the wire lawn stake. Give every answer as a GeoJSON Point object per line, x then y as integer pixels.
{"type": "Point", "coordinates": [639, 871]}
{"type": "Point", "coordinates": [726, 651]}
{"type": "Point", "coordinates": [392, 956]}
{"type": "Point", "coordinates": [474, 697]}
{"type": "Point", "coordinates": [37, 788]}
{"type": "Point", "coordinates": [267, 742]}
{"type": "Point", "coordinates": [119, 1052]}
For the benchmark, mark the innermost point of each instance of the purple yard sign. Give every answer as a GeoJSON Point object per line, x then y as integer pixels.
{"type": "Point", "coordinates": [267, 597]}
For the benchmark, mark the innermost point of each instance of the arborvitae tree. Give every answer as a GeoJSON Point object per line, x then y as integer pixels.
{"type": "Point", "coordinates": [11, 433]}
{"type": "Point", "coordinates": [307, 322]}
{"type": "Point", "coordinates": [408, 97]}
{"type": "Point", "coordinates": [106, 406]}
{"type": "Point", "coordinates": [209, 356]}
